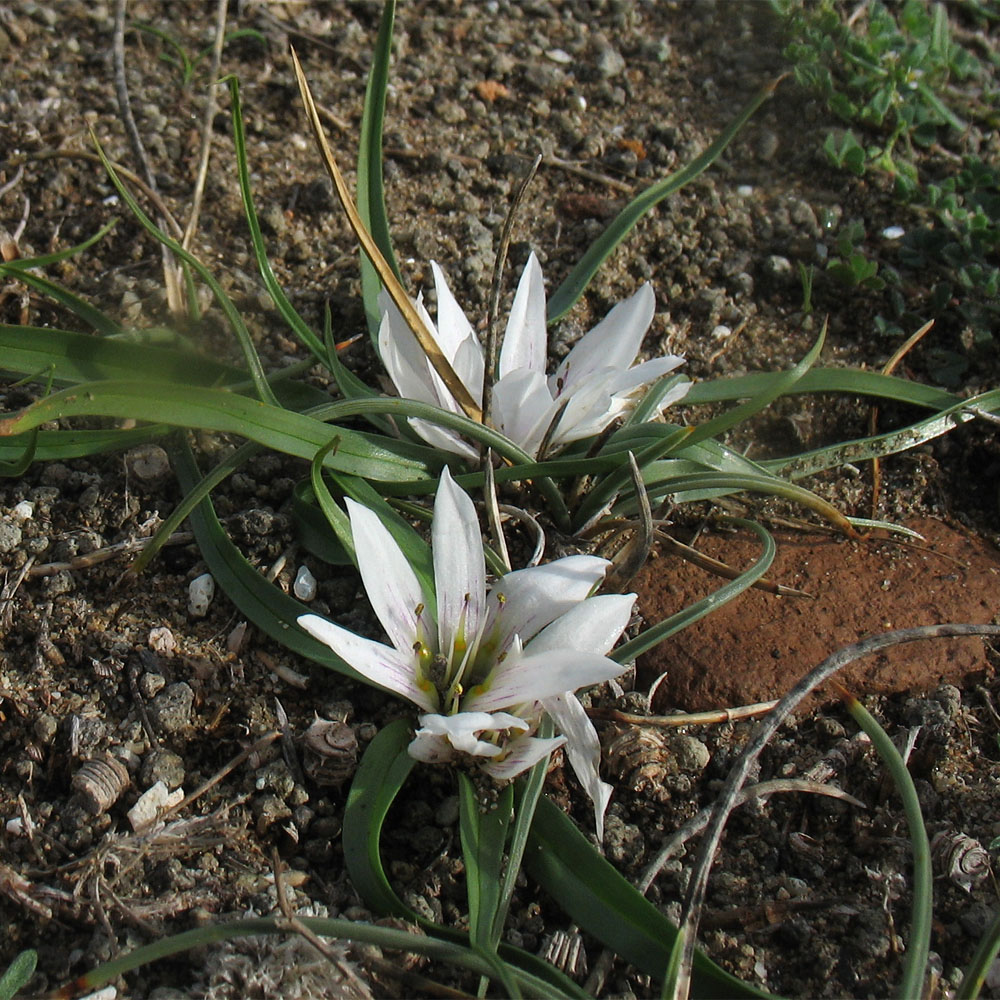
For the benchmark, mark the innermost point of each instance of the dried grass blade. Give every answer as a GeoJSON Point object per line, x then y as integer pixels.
{"type": "Point", "coordinates": [392, 284]}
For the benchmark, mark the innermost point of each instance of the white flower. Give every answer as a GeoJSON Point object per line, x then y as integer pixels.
{"type": "Point", "coordinates": [487, 665]}
{"type": "Point", "coordinates": [595, 382]}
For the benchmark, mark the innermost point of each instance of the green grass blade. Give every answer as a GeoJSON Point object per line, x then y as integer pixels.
{"type": "Point", "coordinates": [647, 407]}
{"type": "Point", "coordinates": [225, 303]}
{"type": "Point", "coordinates": [312, 529]}
{"type": "Point", "coordinates": [845, 380]}
{"type": "Point", "coordinates": [94, 318]}
{"type": "Point", "coordinates": [295, 322]}
{"type": "Point", "coordinates": [782, 383]}
{"type": "Point", "coordinates": [483, 835]}
{"type": "Point", "coordinates": [218, 410]}
{"type": "Point", "coordinates": [528, 789]}
{"type": "Point", "coordinates": [18, 973]}
{"type": "Point", "coordinates": [383, 770]}
{"type": "Point", "coordinates": [336, 519]}
{"type": "Point", "coordinates": [922, 911]}
{"type": "Point", "coordinates": [605, 491]}
{"type": "Point", "coordinates": [573, 287]}
{"type": "Point", "coordinates": [57, 446]}
{"type": "Point", "coordinates": [265, 605]}
{"type": "Point", "coordinates": [604, 904]}
{"type": "Point", "coordinates": [889, 443]}
{"type": "Point", "coordinates": [974, 975]}
{"type": "Point", "coordinates": [192, 498]}
{"type": "Point", "coordinates": [654, 635]}
{"type": "Point", "coordinates": [45, 260]}
{"type": "Point", "coordinates": [19, 465]}
{"type": "Point", "coordinates": [370, 191]}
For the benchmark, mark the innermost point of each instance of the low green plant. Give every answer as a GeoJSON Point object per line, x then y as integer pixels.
{"type": "Point", "coordinates": [176, 55]}
{"type": "Point", "coordinates": [902, 84]}
{"type": "Point", "coordinates": [357, 452]}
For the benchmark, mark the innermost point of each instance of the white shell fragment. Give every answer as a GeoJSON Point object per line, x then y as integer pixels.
{"type": "Point", "coordinates": [200, 593]}
{"type": "Point", "coordinates": [161, 640]}
{"type": "Point", "coordinates": [304, 587]}
{"type": "Point", "coordinates": [151, 804]}
{"type": "Point", "coordinates": [24, 511]}
{"type": "Point", "coordinates": [148, 462]}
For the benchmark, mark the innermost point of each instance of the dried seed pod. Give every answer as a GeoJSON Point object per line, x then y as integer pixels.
{"type": "Point", "coordinates": [330, 752]}
{"type": "Point", "coordinates": [639, 759]}
{"type": "Point", "coordinates": [99, 783]}
{"type": "Point", "coordinates": [960, 858]}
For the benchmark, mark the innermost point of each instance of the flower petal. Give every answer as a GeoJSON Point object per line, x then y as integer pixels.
{"type": "Point", "coordinates": [583, 750]}
{"type": "Point", "coordinates": [522, 752]}
{"type": "Point", "coordinates": [459, 568]}
{"type": "Point", "coordinates": [525, 338]}
{"type": "Point", "coordinates": [431, 749]}
{"type": "Point", "coordinates": [526, 678]}
{"type": "Point", "coordinates": [457, 338]}
{"type": "Point", "coordinates": [523, 408]}
{"type": "Point", "coordinates": [390, 668]}
{"type": "Point", "coordinates": [462, 731]}
{"type": "Point", "coordinates": [613, 343]}
{"type": "Point", "coordinates": [593, 626]}
{"type": "Point", "coordinates": [392, 586]}
{"type": "Point", "coordinates": [443, 438]}
{"type": "Point", "coordinates": [526, 600]}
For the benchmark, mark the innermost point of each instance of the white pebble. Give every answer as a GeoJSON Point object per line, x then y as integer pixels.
{"type": "Point", "coordinates": [893, 232]}
{"type": "Point", "coordinates": [721, 332]}
{"type": "Point", "coordinates": [745, 190]}
{"type": "Point", "coordinates": [161, 640]}
{"type": "Point", "coordinates": [304, 587]}
{"type": "Point", "coordinates": [200, 593]}
{"type": "Point", "coordinates": [15, 826]}
{"type": "Point", "coordinates": [24, 511]}
{"type": "Point", "coordinates": [155, 800]}
{"type": "Point", "coordinates": [560, 56]}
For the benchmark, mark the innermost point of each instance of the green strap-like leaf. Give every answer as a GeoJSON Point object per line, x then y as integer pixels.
{"type": "Point", "coordinates": [484, 835]}
{"type": "Point", "coordinates": [565, 296]}
{"type": "Point", "coordinates": [370, 193]}
{"type": "Point", "coordinates": [604, 904]}
{"type": "Point", "coordinates": [274, 289]}
{"type": "Point", "coordinates": [225, 303]}
{"type": "Point", "coordinates": [275, 427]}
{"type": "Point", "coordinates": [922, 910]}
{"type": "Point", "coordinates": [382, 772]}
{"type": "Point", "coordinates": [655, 634]}
{"type": "Point", "coordinates": [18, 973]}
{"type": "Point", "coordinates": [84, 310]}
{"type": "Point", "coordinates": [266, 606]}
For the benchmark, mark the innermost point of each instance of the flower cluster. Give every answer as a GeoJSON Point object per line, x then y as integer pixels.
{"type": "Point", "coordinates": [488, 663]}
{"type": "Point", "coordinates": [593, 385]}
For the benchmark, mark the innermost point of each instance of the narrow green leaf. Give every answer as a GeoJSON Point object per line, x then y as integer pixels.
{"type": "Point", "coordinates": [313, 529]}
{"type": "Point", "coordinates": [47, 259]}
{"type": "Point", "coordinates": [264, 605]}
{"type": "Point", "coordinates": [52, 446]}
{"type": "Point", "coordinates": [974, 974]}
{"type": "Point", "coordinates": [219, 410]}
{"type": "Point", "coordinates": [604, 904]}
{"type": "Point", "coordinates": [225, 303]}
{"type": "Point", "coordinates": [335, 517]}
{"type": "Point", "coordinates": [296, 323]}
{"type": "Point", "coordinates": [381, 774]}
{"type": "Point", "coordinates": [370, 193]}
{"type": "Point", "coordinates": [84, 310]}
{"type": "Point", "coordinates": [782, 383]}
{"type": "Point", "coordinates": [18, 973]}
{"type": "Point", "coordinates": [484, 835]}
{"type": "Point", "coordinates": [922, 908]}
{"type": "Point", "coordinates": [566, 295]}
{"type": "Point", "coordinates": [655, 634]}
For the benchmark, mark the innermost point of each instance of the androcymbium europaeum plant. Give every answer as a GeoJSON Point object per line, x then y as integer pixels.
{"type": "Point", "coordinates": [490, 660]}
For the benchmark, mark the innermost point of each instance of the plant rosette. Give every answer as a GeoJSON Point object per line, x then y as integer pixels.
{"type": "Point", "coordinates": [595, 383]}
{"type": "Point", "coordinates": [488, 666]}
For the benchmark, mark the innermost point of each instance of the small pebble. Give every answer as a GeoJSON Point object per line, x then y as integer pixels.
{"type": "Point", "coordinates": [164, 766]}
{"type": "Point", "coordinates": [24, 511]}
{"type": "Point", "coordinates": [148, 462]}
{"type": "Point", "coordinates": [150, 804]}
{"type": "Point", "coordinates": [893, 233]}
{"type": "Point", "coordinates": [170, 710]}
{"type": "Point", "coordinates": [200, 593]}
{"type": "Point", "coordinates": [304, 587]}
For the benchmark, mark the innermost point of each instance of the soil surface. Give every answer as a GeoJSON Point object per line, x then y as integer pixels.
{"type": "Point", "coordinates": [811, 894]}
